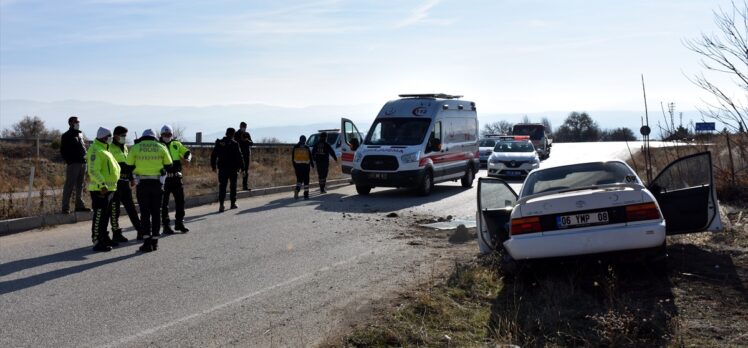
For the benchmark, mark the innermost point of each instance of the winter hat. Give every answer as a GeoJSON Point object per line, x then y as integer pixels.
{"type": "Point", "coordinates": [302, 139]}
{"type": "Point", "coordinates": [166, 129]}
{"type": "Point", "coordinates": [103, 133]}
{"type": "Point", "coordinates": [149, 133]}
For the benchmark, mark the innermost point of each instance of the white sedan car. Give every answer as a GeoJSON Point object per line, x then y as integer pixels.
{"type": "Point", "coordinates": [596, 207]}
{"type": "Point", "coordinates": [513, 159]}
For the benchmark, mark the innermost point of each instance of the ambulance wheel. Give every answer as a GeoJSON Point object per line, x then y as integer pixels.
{"type": "Point", "coordinates": [426, 184]}
{"type": "Point", "coordinates": [467, 179]}
{"type": "Point", "coordinates": [363, 190]}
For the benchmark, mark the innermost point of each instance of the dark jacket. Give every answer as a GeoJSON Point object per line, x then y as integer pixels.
{"type": "Point", "coordinates": [226, 155]}
{"type": "Point", "coordinates": [245, 142]}
{"type": "Point", "coordinates": [72, 147]}
{"type": "Point", "coordinates": [322, 152]}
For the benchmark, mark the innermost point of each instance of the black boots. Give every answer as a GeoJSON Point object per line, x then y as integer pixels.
{"type": "Point", "coordinates": [150, 244]}
{"type": "Point", "coordinates": [233, 205]}
{"type": "Point", "coordinates": [221, 208]}
{"type": "Point", "coordinates": [167, 229]}
{"type": "Point", "coordinates": [102, 246]}
{"type": "Point", "coordinates": [179, 226]}
{"type": "Point", "coordinates": [296, 192]}
{"type": "Point", "coordinates": [118, 237]}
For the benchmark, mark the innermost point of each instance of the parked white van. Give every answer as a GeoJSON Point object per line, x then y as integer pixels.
{"type": "Point", "coordinates": [419, 140]}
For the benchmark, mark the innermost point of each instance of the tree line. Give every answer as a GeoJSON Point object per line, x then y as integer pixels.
{"type": "Point", "coordinates": [577, 127]}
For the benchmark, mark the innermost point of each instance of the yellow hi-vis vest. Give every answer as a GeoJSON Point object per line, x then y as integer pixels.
{"type": "Point", "coordinates": [148, 157]}
{"type": "Point", "coordinates": [103, 170]}
{"type": "Point", "coordinates": [301, 155]}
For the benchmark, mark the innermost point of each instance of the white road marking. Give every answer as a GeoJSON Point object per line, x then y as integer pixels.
{"type": "Point", "coordinates": [237, 300]}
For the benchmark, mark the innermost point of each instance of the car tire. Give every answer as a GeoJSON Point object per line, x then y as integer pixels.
{"type": "Point", "coordinates": [427, 184]}
{"type": "Point", "coordinates": [467, 179]}
{"type": "Point", "coordinates": [363, 190]}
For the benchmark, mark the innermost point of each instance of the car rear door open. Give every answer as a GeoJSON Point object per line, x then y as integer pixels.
{"type": "Point", "coordinates": [686, 195]}
{"type": "Point", "coordinates": [495, 203]}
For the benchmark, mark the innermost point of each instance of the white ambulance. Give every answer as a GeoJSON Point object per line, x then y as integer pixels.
{"type": "Point", "coordinates": [416, 141]}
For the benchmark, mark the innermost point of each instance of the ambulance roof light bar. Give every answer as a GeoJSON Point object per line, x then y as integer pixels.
{"type": "Point", "coordinates": [431, 95]}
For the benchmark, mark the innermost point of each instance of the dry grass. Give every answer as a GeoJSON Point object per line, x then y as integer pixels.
{"type": "Point", "coordinates": [728, 190]}
{"type": "Point", "coordinates": [270, 167]}
{"type": "Point", "coordinates": [702, 301]}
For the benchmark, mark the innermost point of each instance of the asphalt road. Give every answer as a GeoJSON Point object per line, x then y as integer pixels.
{"type": "Point", "coordinates": [275, 272]}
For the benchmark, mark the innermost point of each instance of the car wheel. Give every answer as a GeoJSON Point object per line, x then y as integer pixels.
{"type": "Point", "coordinates": [467, 179]}
{"type": "Point", "coordinates": [426, 184]}
{"type": "Point", "coordinates": [363, 190]}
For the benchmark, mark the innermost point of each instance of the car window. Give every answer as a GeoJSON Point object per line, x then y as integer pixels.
{"type": "Point", "coordinates": [686, 172]}
{"type": "Point", "coordinates": [487, 143]}
{"type": "Point", "coordinates": [575, 176]}
{"type": "Point", "coordinates": [514, 146]}
{"type": "Point", "coordinates": [495, 194]}
{"type": "Point", "coordinates": [398, 131]}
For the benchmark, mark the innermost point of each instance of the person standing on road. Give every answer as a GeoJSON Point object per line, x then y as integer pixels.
{"type": "Point", "coordinates": [245, 144]}
{"type": "Point", "coordinates": [123, 195]}
{"type": "Point", "coordinates": [103, 173]}
{"type": "Point", "coordinates": [301, 157]}
{"type": "Point", "coordinates": [322, 152]}
{"type": "Point", "coordinates": [227, 157]}
{"type": "Point", "coordinates": [173, 183]}
{"type": "Point", "coordinates": [73, 151]}
{"type": "Point", "coordinates": [150, 161]}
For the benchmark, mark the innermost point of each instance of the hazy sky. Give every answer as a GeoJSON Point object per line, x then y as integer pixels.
{"type": "Point", "coordinates": [508, 56]}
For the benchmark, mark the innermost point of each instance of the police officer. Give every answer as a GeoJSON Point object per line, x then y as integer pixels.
{"type": "Point", "coordinates": [173, 184]}
{"type": "Point", "coordinates": [150, 161]}
{"type": "Point", "coordinates": [103, 173]}
{"type": "Point", "coordinates": [245, 142]}
{"type": "Point", "coordinates": [123, 195]}
{"type": "Point", "coordinates": [227, 157]}
{"type": "Point", "coordinates": [301, 158]}
{"type": "Point", "coordinates": [322, 152]}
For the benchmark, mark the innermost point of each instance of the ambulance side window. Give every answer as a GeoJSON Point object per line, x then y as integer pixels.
{"type": "Point", "coordinates": [435, 139]}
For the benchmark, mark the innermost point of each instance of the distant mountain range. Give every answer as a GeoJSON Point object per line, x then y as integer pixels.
{"type": "Point", "coordinates": [265, 121]}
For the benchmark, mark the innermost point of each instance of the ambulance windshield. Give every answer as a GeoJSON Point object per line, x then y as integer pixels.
{"type": "Point", "coordinates": [398, 131]}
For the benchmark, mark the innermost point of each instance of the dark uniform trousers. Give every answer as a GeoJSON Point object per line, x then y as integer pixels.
{"type": "Point", "coordinates": [227, 176]}
{"type": "Point", "coordinates": [302, 176]}
{"type": "Point", "coordinates": [323, 166]}
{"type": "Point", "coordinates": [101, 204]}
{"type": "Point", "coordinates": [245, 168]}
{"type": "Point", "coordinates": [149, 195]}
{"type": "Point", "coordinates": [173, 185]}
{"type": "Point", "coordinates": [124, 195]}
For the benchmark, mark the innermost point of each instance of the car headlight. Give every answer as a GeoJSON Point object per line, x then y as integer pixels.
{"type": "Point", "coordinates": [493, 159]}
{"type": "Point", "coordinates": [357, 157]}
{"type": "Point", "coordinates": [411, 157]}
{"type": "Point", "coordinates": [535, 160]}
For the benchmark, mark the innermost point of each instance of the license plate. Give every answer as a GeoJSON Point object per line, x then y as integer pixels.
{"type": "Point", "coordinates": [594, 218]}
{"type": "Point", "coordinates": [513, 172]}
{"type": "Point", "coordinates": [379, 176]}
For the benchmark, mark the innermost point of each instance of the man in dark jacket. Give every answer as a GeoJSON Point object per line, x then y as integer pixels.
{"type": "Point", "coordinates": [73, 150]}
{"type": "Point", "coordinates": [227, 158]}
{"type": "Point", "coordinates": [245, 142]}
{"type": "Point", "coordinates": [322, 152]}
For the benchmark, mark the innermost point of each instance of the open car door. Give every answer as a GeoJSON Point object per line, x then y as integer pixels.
{"type": "Point", "coordinates": [495, 203]}
{"type": "Point", "coordinates": [351, 140]}
{"type": "Point", "coordinates": [686, 195]}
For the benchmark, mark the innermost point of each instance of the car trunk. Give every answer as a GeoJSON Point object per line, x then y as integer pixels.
{"type": "Point", "coordinates": [583, 208]}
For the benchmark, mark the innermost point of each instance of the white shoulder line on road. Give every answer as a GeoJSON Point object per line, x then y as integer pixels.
{"type": "Point", "coordinates": [237, 300]}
